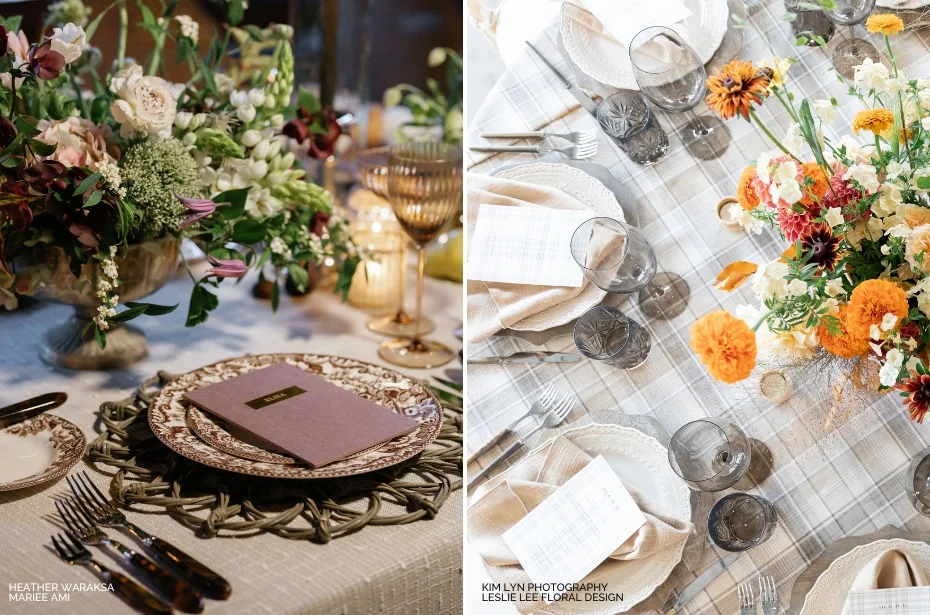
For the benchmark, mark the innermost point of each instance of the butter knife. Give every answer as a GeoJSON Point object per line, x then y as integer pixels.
{"type": "Point", "coordinates": [528, 357]}
{"type": "Point", "coordinates": [697, 585]}
{"type": "Point", "coordinates": [574, 90]}
{"type": "Point", "coordinates": [20, 411]}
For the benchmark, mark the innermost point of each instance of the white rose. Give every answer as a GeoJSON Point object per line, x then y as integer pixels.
{"type": "Point", "coordinates": [69, 42]}
{"type": "Point", "coordinates": [147, 104]}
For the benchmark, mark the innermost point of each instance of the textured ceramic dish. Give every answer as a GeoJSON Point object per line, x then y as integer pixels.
{"type": "Point", "coordinates": [641, 462]}
{"type": "Point", "coordinates": [608, 62]}
{"type": "Point", "coordinates": [587, 189]}
{"type": "Point", "coordinates": [828, 595]}
{"type": "Point", "coordinates": [168, 415]}
{"type": "Point", "coordinates": [38, 450]}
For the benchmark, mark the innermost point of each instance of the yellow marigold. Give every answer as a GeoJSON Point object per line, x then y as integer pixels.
{"type": "Point", "coordinates": [869, 303]}
{"type": "Point", "coordinates": [844, 344]}
{"type": "Point", "coordinates": [876, 120]}
{"type": "Point", "coordinates": [814, 192]}
{"type": "Point", "coordinates": [744, 193]}
{"type": "Point", "coordinates": [726, 345]}
{"type": "Point", "coordinates": [885, 23]}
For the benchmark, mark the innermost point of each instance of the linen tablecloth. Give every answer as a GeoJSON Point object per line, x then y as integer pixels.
{"type": "Point", "coordinates": [400, 570]}
{"type": "Point", "coordinates": [827, 483]}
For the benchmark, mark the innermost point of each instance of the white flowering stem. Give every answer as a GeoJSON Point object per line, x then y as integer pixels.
{"type": "Point", "coordinates": [123, 33]}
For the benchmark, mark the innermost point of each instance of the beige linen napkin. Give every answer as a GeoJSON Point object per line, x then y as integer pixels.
{"type": "Point", "coordinates": [506, 499]}
{"type": "Point", "coordinates": [494, 306]}
{"type": "Point", "coordinates": [893, 568]}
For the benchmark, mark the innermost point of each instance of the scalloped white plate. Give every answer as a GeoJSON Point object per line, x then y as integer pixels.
{"type": "Point", "coordinates": [594, 194]}
{"type": "Point", "coordinates": [828, 595]}
{"type": "Point", "coordinates": [607, 61]}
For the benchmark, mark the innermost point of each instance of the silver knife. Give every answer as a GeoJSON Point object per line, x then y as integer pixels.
{"type": "Point", "coordinates": [20, 411]}
{"type": "Point", "coordinates": [574, 90]}
{"type": "Point", "coordinates": [528, 357]}
{"type": "Point", "coordinates": [697, 585]}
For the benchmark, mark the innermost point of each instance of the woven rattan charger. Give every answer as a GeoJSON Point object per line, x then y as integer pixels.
{"type": "Point", "coordinates": [219, 503]}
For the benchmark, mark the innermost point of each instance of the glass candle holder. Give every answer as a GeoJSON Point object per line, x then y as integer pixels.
{"type": "Point", "coordinates": [378, 282]}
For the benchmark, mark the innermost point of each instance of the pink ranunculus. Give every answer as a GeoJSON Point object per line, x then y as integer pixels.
{"type": "Point", "coordinates": [80, 142]}
{"type": "Point", "coordinates": [792, 223]}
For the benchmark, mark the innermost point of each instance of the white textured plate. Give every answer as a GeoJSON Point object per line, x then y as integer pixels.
{"type": "Point", "coordinates": [828, 595]}
{"type": "Point", "coordinates": [587, 189]}
{"type": "Point", "coordinates": [899, 5]}
{"type": "Point", "coordinates": [608, 61]}
{"type": "Point", "coordinates": [38, 450]}
{"type": "Point", "coordinates": [642, 463]}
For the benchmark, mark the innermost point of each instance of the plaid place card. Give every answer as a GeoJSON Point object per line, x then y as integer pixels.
{"type": "Point", "coordinates": [525, 245]}
{"type": "Point", "coordinates": [895, 601]}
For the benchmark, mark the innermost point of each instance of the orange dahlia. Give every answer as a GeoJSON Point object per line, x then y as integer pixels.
{"type": "Point", "coordinates": [726, 345]}
{"type": "Point", "coordinates": [885, 23]}
{"type": "Point", "coordinates": [869, 303]}
{"type": "Point", "coordinates": [736, 88]}
{"type": "Point", "coordinates": [815, 185]}
{"type": "Point", "coordinates": [876, 120]}
{"type": "Point", "coordinates": [843, 344]}
{"type": "Point", "coordinates": [746, 196]}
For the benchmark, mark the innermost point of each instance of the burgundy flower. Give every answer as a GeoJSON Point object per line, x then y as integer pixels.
{"type": "Point", "coordinates": [198, 209]}
{"type": "Point", "coordinates": [4, 42]}
{"type": "Point", "coordinates": [323, 145]}
{"type": "Point", "coordinates": [230, 268]}
{"type": "Point", "coordinates": [822, 245]}
{"type": "Point", "coordinates": [296, 129]}
{"type": "Point", "coordinates": [42, 173]}
{"type": "Point", "coordinates": [917, 391]}
{"type": "Point", "coordinates": [319, 222]}
{"type": "Point", "coordinates": [910, 331]}
{"type": "Point", "coordinates": [16, 210]}
{"type": "Point", "coordinates": [46, 63]}
{"type": "Point", "coordinates": [85, 236]}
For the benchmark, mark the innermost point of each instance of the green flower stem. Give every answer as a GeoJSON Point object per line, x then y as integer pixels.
{"type": "Point", "coordinates": [85, 112]}
{"type": "Point", "coordinates": [123, 33]}
{"type": "Point", "coordinates": [155, 61]}
{"type": "Point", "coordinates": [785, 103]}
{"type": "Point", "coordinates": [768, 133]}
{"type": "Point", "coordinates": [219, 59]}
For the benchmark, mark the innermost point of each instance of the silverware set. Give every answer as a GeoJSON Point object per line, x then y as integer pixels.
{"type": "Point", "coordinates": [768, 597]}
{"type": "Point", "coordinates": [575, 152]}
{"type": "Point", "coordinates": [178, 576]}
{"type": "Point", "coordinates": [577, 138]}
{"type": "Point", "coordinates": [551, 407]}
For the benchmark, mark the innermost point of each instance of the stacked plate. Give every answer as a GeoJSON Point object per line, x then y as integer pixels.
{"type": "Point", "coordinates": [209, 440]}
{"type": "Point", "coordinates": [608, 62]}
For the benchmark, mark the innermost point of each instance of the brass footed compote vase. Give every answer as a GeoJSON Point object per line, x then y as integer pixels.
{"type": "Point", "coordinates": [425, 191]}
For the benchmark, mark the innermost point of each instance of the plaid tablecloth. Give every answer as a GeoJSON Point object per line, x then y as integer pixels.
{"type": "Point", "coordinates": [842, 479]}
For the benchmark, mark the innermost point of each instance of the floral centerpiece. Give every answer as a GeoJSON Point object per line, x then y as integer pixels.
{"type": "Point", "coordinates": [93, 165]}
{"type": "Point", "coordinates": [854, 280]}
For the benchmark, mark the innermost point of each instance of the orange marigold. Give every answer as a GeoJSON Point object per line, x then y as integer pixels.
{"type": "Point", "coordinates": [736, 88]}
{"type": "Point", "coordinates": [869, 303]}
{"type": "Point", "coordinates": [726, 345]}
{"type": "Point", "coordinates": [744, 193]}
{"type": "Point", "coordinates": [876, 120]}
{"type": "Point", "coordinates": [885, 23]}
{"type": "Point", "coordinates": [816, 188]}
{"type": "Point", "coordinates": [844, 344]}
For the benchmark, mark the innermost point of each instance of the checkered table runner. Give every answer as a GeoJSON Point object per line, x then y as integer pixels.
{"type": "Point", "coordinates": [828, 482]}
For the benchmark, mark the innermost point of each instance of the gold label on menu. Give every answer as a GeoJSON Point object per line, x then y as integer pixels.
{"type": "Point", "coordinates": [273, 398]}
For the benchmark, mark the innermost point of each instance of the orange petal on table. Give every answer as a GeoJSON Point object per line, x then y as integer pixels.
{"type": "Point", "coordinates": [791, 252]}
{"type": "Point", "coordinates": [734, 274]}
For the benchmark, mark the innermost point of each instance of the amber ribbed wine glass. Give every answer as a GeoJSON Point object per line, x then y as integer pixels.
{"type": "Point", "coordinates": [425, 191]}
{"type": "Point", "coordinates": [372, 171]}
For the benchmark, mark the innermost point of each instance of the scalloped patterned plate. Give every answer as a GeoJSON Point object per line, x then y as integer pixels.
{"type": "Point", "coordinates": [38, 450]}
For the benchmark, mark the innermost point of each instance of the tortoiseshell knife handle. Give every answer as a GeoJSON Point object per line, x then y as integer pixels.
{"type": "Point", "coordinates": [135, 595]}
{"type": "Point", "coordinates": [208, 582]}
{"type": "Point", "coordinates": [183, 597]}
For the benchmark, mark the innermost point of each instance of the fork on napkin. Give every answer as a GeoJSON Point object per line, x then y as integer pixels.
{"type": "Point", "coordinates": [507, 498]}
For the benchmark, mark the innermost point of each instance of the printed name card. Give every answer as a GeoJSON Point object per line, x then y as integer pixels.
{"type": "Point", "coordinates": [576, 528]}
{"type": "Point", "coordinates": [895, 601]}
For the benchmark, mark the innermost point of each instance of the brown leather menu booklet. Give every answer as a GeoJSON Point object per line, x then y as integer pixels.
{"type": "Point", "coordinates": [301, 413]}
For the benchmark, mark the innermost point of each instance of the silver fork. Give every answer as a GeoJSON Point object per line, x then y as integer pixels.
{"type": "Point", "coordinates": [578, 138]}
{"type": "Point", "coordinates": [555, 416]}
{"type": "Point", "coordinates": [768, 595]}
{"type": "Point", "coordinates": [575, 152]}
{"type": "Point", "coordinates": [133, 594]}
{"type": "Point", "coordinates": [747, 600]}
{"type": "Point", "coordinates": [75, 516]}
{"type": "Point", "coordinates": [207, 582]}
{"type": "Point", "coordinates": [541, 406]}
